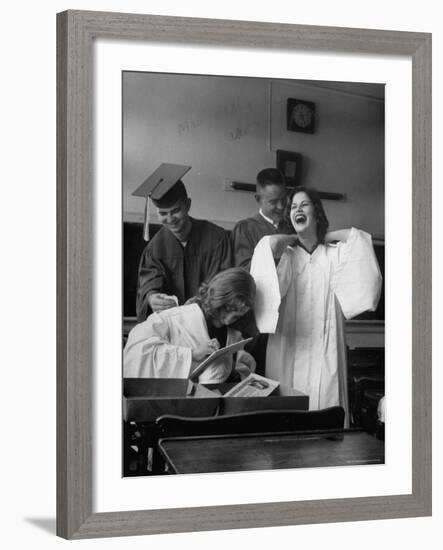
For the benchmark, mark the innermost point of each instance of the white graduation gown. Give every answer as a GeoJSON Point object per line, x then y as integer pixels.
{"type": "Point", "coordinates": [308, 349]}
{"type": "Point", "coordinates": [161, 346]}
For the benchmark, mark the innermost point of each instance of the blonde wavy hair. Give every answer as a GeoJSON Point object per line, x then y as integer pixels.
{"type": "Point", "coordinates": [230, 288]}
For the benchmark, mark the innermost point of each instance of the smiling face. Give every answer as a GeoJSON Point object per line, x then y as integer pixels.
{"type": "Point", "coordinates": [176, 218]}
{"type": "Point", "coordinates": [273, 201]}
{"type": "Point", "coordinates": [302, 213]}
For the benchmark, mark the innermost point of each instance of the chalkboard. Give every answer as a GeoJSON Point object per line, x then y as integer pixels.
{"type": "Point", "coordinates": [133, 246]}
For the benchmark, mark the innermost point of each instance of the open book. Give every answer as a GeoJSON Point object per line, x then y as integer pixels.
{"type": "Point", "coordinates": [253, 385]}
{"type": "Point", "coordinates": [232, 348]}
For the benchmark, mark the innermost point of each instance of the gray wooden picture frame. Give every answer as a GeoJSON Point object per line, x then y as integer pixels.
{"type": "Point", "coordinates": [76, 32]}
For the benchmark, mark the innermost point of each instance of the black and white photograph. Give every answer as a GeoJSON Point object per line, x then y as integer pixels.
{"type": "Point", "coordinates": [221, 302]}
{"type": "Point", "coordinates": [253, 269]}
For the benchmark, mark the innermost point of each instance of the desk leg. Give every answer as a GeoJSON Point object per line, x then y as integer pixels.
{"type": "Point", "coordinates": [132, 460]}
{"type": "Point", "coordinates": [158, 464]}
{"type": "Point", "coordinates": [142, 436]}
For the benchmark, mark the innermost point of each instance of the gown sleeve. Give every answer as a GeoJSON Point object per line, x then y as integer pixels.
{"type": "Point", "coordinates": [151, 278]}
{"type": "Point", "coordinates": [221, 258]}
{"type": "Point", "coordinates": [356, 279]}
{"type": "Point", "coordinates": [271, 283]}
{"type": "Point", "coordinates": [149, 353]}
{"type": "Point", "coordinates": [242, 246]}
{"type": "Point", "coordinates": [285, 272]}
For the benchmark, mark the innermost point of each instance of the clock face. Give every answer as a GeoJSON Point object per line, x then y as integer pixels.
{"type": "Point", "coordinates": [300, 116]}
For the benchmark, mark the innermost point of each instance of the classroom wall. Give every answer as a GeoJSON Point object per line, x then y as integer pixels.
{"type": "Point", "coordinates": [344, 155]}
{"type": "Point", "coordinates": [230, 128]}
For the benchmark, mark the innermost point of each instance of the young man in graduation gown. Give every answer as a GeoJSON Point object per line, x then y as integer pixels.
{"type": "Point", "coordinates": [271, 218]}
{"type": "Point", "coordinates": [184, 253]}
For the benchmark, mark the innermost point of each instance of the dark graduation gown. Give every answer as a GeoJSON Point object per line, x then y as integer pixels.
{"type": "Point", "coordinates": [248, 232]}
{"type": "Point", "coordinates": [165, 266]}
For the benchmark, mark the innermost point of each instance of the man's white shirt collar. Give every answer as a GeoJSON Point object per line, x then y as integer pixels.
{"type": "Point", "coordinates": [272, 222]}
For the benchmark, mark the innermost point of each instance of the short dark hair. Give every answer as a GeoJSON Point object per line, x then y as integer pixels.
{"type": "Point", "coordinates": [227, 287]}
{"type": "Point", "coordinates": [319, 211]}
{"type": "Point", "coordinates": [176, 193]}
{"type": "Point", "coordinates": [270, 176]}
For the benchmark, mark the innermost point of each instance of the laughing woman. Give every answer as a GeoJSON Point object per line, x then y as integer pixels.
{"type": "Point", "coordinates": [323, 278]}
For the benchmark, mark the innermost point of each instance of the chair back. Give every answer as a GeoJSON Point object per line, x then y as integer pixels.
{"type": "Point", "coordinates": [260, 422]}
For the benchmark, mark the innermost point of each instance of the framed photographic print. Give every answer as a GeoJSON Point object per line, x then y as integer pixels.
{"type": "Point", "coordinates": [289, 164]}
{"type": "Point", "coordinates": [133, 95]}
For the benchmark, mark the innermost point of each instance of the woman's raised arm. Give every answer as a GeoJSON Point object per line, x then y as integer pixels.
{"type": "Point", "coordinates": [279, 243]}
{"type": "Point", "coordinates": [338, 235]}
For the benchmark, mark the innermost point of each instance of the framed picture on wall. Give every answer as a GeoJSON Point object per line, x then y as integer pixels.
{"type": "Point", "coordinates": [289, 164]}
{"type": "Point", "coordinates": [92, 498]}
{"type": "Point", "coordinates": [300, 116]}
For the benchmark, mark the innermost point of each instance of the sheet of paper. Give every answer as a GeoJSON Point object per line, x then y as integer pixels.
{"type": "Point", "coordinates": [173, 298]}
{"type": "Point", "coordinates": [267, 300]}
{"type": "Point", "coordinates": [232, 348]}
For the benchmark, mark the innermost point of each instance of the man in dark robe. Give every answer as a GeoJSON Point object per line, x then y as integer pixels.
{"type": "Point", "coordinates": [271, 218]}
{"type": "Point", "coordinates": [184, 253]}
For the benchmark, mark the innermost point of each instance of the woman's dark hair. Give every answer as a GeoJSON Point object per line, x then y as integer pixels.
{"type": "Point", "coordinates": [319, 212]}
{"type": "Point", "coordinates": [229, 287]}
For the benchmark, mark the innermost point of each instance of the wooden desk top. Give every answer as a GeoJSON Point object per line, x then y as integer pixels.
{"type": "Point", "coordinates": [186, 455]}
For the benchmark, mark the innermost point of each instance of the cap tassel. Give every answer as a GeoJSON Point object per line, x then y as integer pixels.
{"type": "Point", "coordinates": [146, 223]}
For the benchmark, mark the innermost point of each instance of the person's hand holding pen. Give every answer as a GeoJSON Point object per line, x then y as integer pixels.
{"type": "Point", "coordinates": [201, 352]}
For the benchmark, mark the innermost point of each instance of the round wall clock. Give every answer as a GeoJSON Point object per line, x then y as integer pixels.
{"type": "Point", "coordinates": [300, 116]}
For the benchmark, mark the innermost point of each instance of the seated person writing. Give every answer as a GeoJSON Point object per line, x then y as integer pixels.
{"type": "Point", "coordinates": [171, 343]}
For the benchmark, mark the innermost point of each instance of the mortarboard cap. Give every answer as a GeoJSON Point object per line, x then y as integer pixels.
{"type": "Point", "coordinates": [164, 187]}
